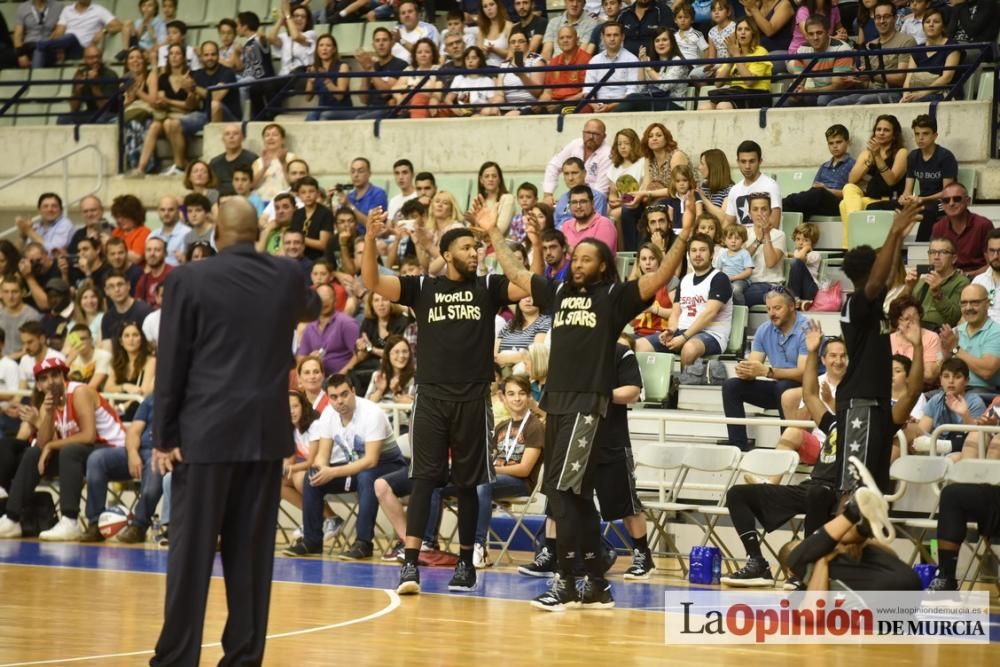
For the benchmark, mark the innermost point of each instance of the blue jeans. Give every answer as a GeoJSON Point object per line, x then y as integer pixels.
{"type": "Point", "coordinates": [364, 484]}
{"type": "Point", "coordinates": [756, 293]}
{"type": "Point", "coordinates": [866, 98]}
{"type": "Point", "coordinates": [110, 464]}
{"type": "Point", "coordinates": [506, 486]}
{"type": "Point", "coordinates": [800, 281]}
{"type": "Point", "coordinates": [762, 393]}
{"type": "Point", "coordinates": [45, 50]}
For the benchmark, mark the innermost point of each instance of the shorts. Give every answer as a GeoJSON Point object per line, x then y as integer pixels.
{"type": "Point", "coordinates": [865, 430]}
{"type": "Point", "coordinates": [615, 486]}
{"type": "Point", "coordinates": [399, 481]}
{"type": "Point", "coordinates": [809, 449]}
{"type": "Point", "coordinates": [710, 342]}
{"type": "Point", "coordinates": [463, 428]}
{"type": "Point", "coordinates": [569, 442]}
{"type": "Point", "coordinates": [773, 505]}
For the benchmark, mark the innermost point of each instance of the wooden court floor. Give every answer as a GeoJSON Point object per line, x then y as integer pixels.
{"type": "Point", "coordinates": [102, 605]}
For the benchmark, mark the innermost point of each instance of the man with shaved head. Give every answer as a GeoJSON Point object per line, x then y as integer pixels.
{"type": "Point", "coordinates": [234, 156]}
{"type": "Point", "coordinates": [172, 230]}
{"type": "Point", "coordinates": [223, 428]}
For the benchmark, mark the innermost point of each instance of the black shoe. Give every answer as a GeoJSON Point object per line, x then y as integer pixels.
{"type": "Point", "coordinates": [755, 574]}
{"type": "Point", "coordinates": [641, 567]}
{"type": "Point", "coordinates": [132, 534]}
{"type": "Point", "coordinates": [942, 584]}
{"type": "Point", "coordinates": [464, 579]}
{"type": "Point", "coordinates": [92, 534]}
{"type": "Point", "coordinates": [299, 549]}
{"type": "Point", "coordinates": [597, 594]}
{"type": "Point", "coordinates": [544, 565]}
{"type": "Point", "coordinates": [358, 551]}
{"type": "Point", "coordinates": [409, 580]}
{"type": "Point", "coordinates": [793, 584]}
{"type": "Point", "coordinates": [561, 596]}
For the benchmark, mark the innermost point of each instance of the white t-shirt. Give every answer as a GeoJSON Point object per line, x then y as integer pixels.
{"type": "Point", "coordinates": [193, 61]}
{"type": "Point", "coordinates": [484, 84]}
{"type": "Point", "coordinates": [694, 297]}
{"type": "Point", "coordinates": [411, 37]}
{"type": "Point", "coordinates": [397, 202]}
{"type": "Point", "coordinates": [151, 327]}
{"type": "Point", "coordinates": [738, 205]}
{"type": "Point", "coordinates": [987, 281]}
{"type": "Point", "coordinates": [10, 376]}
{"type": "Point", "coordinates": [84, 25]}
{"type": "Point", "coordinates": [761, 272]}
{"type": "Point", "coordinates": [833, 389]}
{"type": "Point", "coordinates": [27, 365]}
{"type": "Point", "coordinates": [636, 170]}
{"type": "Point", "coordinates": [369, 423]}
{"type": "Point", "coordinates": [294, 54]}
{"type": "Point", "coordinates": [514, 91]}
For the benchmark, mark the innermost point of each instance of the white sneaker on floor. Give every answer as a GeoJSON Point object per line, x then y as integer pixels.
{"type": "Point", "coordinates": [173, 171]}
{"type": "Point", "coordinates": [66, 530]}
{"type": "Point", "coordinates": [332, 528]}
{"type": "Point", "coordinates": [480, 557]}
{"type": "Point", "coordinates": [9, 529]}
{"type": "Point", "coordinates": [296, 535]}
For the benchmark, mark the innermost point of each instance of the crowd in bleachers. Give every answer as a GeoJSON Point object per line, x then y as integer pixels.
{"type": "Point", "coordinates": [83, 301]}
{"type": "Point", "coordinates": [172, 56]}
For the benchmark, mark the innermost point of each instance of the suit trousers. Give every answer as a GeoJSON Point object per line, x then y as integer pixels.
{"type": "Point", "coordinates": [238, 500]}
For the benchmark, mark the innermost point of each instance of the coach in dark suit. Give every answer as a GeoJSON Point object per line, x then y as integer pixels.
{"type": "Point", "coordinates": [222, 425]}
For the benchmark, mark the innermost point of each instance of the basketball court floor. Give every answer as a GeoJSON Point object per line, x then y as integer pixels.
{"type": "Point", "coordinates": [73, 604]}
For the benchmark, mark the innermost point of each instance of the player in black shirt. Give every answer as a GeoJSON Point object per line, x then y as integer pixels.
{"type": "Point", "coordinates": [863, 397]}
{"type": "Point", "coordinates": [588, 313]}
{"type": "Point", "coordinates": [451, 410]}
{"type": "Point", "coordinates": [772, 504]}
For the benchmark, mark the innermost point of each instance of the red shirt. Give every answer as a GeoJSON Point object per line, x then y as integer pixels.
{"type": "Point", "coordinates": [145, 288]}
{"type": "Point", "coordinates": [970, 245]}
{"type": "Point", "coordinates": [135, 240]}
{"type": "Point", "coordinates": [557, 80]}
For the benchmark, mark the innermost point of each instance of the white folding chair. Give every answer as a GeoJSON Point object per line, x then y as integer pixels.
{"type": "Point", "coordinates": [908, 471]}
{"type": "Point", "coordinates": [692, 505]}
{"type": "Point", "coordinates": [667, 461]}
{"type": "Point", "coordinates": [976, 471]}
{"type": "Point", "coordinates": [518, 509]}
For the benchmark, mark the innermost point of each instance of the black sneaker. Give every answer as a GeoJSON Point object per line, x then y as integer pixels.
{"type": "Point", "coordinates": [793, 584]}
{"type": "Point", "coordinates": [561, 596]}
{"type": "Point", "coordinates": [544, 565]}
{"type": "Point", "coordinates": [358, 551]}
{"type": "Point", "coordinates": [942, 584]}
{"type": "Point", "coordinates": [409, 580]}
{"type": "Point", "coordinates": [299, 549]}
{"type": "Point", "coordinates": [597, 594]}
{"type": "Point", "coordinates": [641, 567]}
{"type": "Point", "coordinates": [464, 579]}
{"type": "Point", "coordinates": [755, 574]}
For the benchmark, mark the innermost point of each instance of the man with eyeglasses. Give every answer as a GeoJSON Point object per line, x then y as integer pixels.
{"type": "Point", "coordinates": [595, 153]}
{"type": "Point", "coordinates": [969, 232]}
{"type": "Point", "coordinates": [990, 278]}
{"type": "Point", "coordinates": [938, 290]}
{"type": "Point", "coordinates": [95, 225]}
{"type": "Point", "coordinates": [573, 172]}
{"type": "Point", "coordinates": [586, 222]}
{"type": "Point", "coordinates": [976, 341]}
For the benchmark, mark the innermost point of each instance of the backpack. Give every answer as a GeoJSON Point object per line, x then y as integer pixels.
{"type": "Point", "coordinates": [39, 514]}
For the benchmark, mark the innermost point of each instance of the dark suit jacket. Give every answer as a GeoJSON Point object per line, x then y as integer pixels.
{"type": "Point", "coordinates": [224, 353]}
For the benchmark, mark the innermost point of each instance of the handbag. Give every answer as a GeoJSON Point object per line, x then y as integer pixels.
{"type": "Point", "coordinates": [828, 299]}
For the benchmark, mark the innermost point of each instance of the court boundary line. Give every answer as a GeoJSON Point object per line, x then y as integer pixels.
{"type": "Point", "coordinates": [394, 603]}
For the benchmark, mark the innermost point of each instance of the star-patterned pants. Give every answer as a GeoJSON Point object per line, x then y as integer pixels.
{"type": "Point", "coordinates": [867, 432]}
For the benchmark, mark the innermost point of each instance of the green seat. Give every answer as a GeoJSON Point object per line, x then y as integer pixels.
{"type": "Point", "coordinates": [868, 228]}
{"type": "Point", "coordinates": [967, 177]}
{"type": "Point", "coordinates": [789, 221]}
{"type": "Point", "coordinates": [655, 368]}
{"type": "Point", "coordinates": [986, 82]}
{"type": "Point", "coordinates": [793, 180]}
{"type": "Point", "coordinates": [349, 36]}
{"type": "Point", "coordinates": [216, 10]}
{"type": "Point", "coordinates": [625, 260]}
{"type": "Point", "coordinates": [739, 326]}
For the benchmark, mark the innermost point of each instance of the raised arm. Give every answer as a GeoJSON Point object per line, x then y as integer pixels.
{"type": "Point", "coordinates": [810, 377]}
{"type": "Point", "coordinates": [486, 219]}
{"type": "Point", "coordinates": [888, 255]}
{"type": "Point", "coordinates": [651, 283]}
{"type": "Point", "coordinates": [387, 286]}
{"type": "Point", "coordinates": [915, 380]}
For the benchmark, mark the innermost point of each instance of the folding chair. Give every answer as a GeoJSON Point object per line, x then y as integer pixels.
{"type": "Point", "coordinates": [517, 509]}
{"type": "Point", "coordinates": [663, 459]}
{"type": "Point", "coordinates": [350, 504]}
{"type": "Point", "coordinates": [976, 471]}
{"type": "Point", "coordinates": [908, 471]}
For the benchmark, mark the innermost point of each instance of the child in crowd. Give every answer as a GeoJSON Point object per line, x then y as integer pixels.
{"type": "Point", "coordinates": [911, 22]}
{"type": "Point", "coordinates": [169, 10]}
{"type": "Point", "coordinates": [930, 166]}
{"type": "Point", "coordinates": [242, 180]}
{"type": "Point", "coordinates": [177, 34]}
{"type": "Point", "coordinates": [724, 27]}
{"type": "Point", "coordinates": [804, 273]}
{"type": "Point", "coordinates": [527, 199]}
{"type": "Point", "coordinates": [827, 190]}
{"type": "Point", "coordinates": [710, 226]}
{"type": "Point", "coordinates": [229, 48]}
{"type": "Point", "coordinates": [682, 179]}
{"type": "Point", "coordinates": [691, 42]}
{"type": "Point", "coordinates": [198, 208]}
{"type": "Point", "coordinates": [147, 32]}
{"type": "Point", "coordinates": [735, 261]}
{"type": "Point", "coordinates": [457, 25]}
{"type": "Point", "coordinates": [953, 404]}
{"type": "Point", "coordinates": [901, 366]}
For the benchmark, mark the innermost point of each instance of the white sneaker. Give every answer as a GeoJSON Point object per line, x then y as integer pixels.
{"type": "Point", "coordinates": [296, 535]}
{"type": "Point", "coordinates": [332, 528]}
{"type": "Point", "coordinates": [751, 478]}
{"type": "Point", "coordinates": [9, 529]}
{"type": "Point", "coordinates": [67, 530]}
{"type": "Point", "coordinates": [173, 171]}
{"type": "Point", "coordinates": [480, 557]}
{"type": "Point", "coordinates": [3, 493]}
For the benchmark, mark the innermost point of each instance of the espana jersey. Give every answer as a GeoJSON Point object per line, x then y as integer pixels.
{"type": "Point", "coordinates": [455, 321]}
{"type": "Point", "coordinates": [585, 327]}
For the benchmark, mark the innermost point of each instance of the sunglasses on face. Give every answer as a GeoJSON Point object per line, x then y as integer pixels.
{"type": "Point", "coordinates": [958, 199]}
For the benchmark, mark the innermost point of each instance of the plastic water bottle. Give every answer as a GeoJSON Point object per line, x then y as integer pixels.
{"type": "Point", "coordinates": [716, 555]}
{"type": "Point", "coordinates": [156, 526]}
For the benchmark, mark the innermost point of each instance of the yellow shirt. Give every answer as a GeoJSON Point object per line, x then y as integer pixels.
{"type": "Point", "coordinates": [761, 68]}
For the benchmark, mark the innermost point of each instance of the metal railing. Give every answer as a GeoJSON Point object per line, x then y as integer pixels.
{"type": "Point", "coordinates": [962, 428]}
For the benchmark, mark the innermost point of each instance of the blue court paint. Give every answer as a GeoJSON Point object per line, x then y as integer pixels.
{"type": "Point", "coordinates": [502, 585]}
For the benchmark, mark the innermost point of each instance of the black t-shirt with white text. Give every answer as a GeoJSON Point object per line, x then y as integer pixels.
{"type": "Point", "coordinates": [321, 220]}
{"type": "Point", "coordinates": [612, 434]}
{"type": "Point", "coordinates": [585, 328]}
{"type": "Point", "coordinates": [456, 324]}
{"type": "Point", "coordinates": [827, 464]}
{"type": "Point", "coordinates": [930, 174]}
{"type": "Point", "coordinates": [865, 329]}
